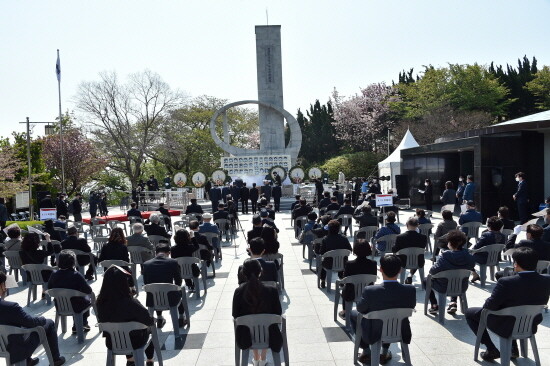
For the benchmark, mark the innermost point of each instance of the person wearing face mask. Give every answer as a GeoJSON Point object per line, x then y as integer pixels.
{"type": "Point", "coordinates": [460, 189]}
{"type": "Point", "coordinates": [428, 194]}
{"type": "Point", "coordinates": [521, 197]}
{"type": "Point", "coordinates": [375, 187]}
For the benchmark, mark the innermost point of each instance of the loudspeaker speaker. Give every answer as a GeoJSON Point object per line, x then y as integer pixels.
{"type": "Point", "coordinates": [402, 186]}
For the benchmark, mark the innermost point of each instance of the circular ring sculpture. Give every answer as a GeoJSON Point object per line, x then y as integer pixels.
{"type": "Point", "coordinates": [293, 147]}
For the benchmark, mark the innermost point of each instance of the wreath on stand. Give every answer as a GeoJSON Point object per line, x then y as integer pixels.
{"type": "Point", "coordinates": [280, 171]}
{"type": "Point", "coordinates": [199, 181]}
{"type": "Point", "coordinates": [227, 178]}
{"type": "Point", "coordinates": [297, 174]}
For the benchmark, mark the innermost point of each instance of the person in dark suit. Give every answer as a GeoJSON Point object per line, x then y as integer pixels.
{"type": "Point", "coordinates": [61, 206]}
{"type": "Point", "coordinates": [30, 254]}
{"type": "Point", "coordinates": [469, 189]}
{"type": "Point", "coordinates": [225, 192]}
{"type": "Point", "coordinates": [449, 194]}
{"type": "Point", "coordinates": [303, 209]}
{"type": "Point", "coordinates": [12, 314]}
{"type": "Point", "coordinates": [198, 239]}
{"type": "Point", "coordinates": [185, 247]}
{"type": "Point", "coordinates": [333, 206]}
{"type": "Point", "coordinates": [254, 196]}
{"type": "Point", "coordinates": [215, 194]}
{"type": "Point", "coordinates": [277, 194]}
{"type": "Point", "coordinates": [155, 229]}
{"type": "Point", "coordinates": [388, 295]}
{"type": "Point", "coordinates": [421, 216]}
{"type": "Point", "coordinates": [366, 218]}
{"type": "Point", "coordinates": [410, 239]}
{"type": "Point", "coordinates": [360, 265]}
{"type": "Point", "coordinates": [266, 220]}
{"type": "Point", "coordinates": [47, 202]}
{"type": "Point", "coordinates": [527, 288]}
{"type": "Point", "coordinates": [245, 195]}
{"type": "Point", "coordinates": [471, 215]}
{"type": "Point", "coordinates": [73, 242]}
{"type": "Point", "coordinates": [428, 194]}
{"type": "Point", "coordinates": [116, 304]}
{"type": "Point", "coordinates": [521, 197]}
{"type": "Point", "coordinates": [208, 227]}
{"type": "Point", "coordinates": [504, 216]}
{"type": "Point", "coordinates": [269, 236]}
{"type": "Point", "coordinates": [346, 209]}
{"type": "Point", "coordinates": [534, 241]}
{"type": "Point", "coordinates": [194, 208]}
{"type": "Point", "coordinates": [441, 231]}
{"type": "Point", "coordinates": [460, 189]}
{"type": "Point", "coordinates": [270, 211]}
{"type": "Point", "coordinates": [489, 237]}
{"type": "Point", "coordinates": [133, 211]}
{"type": "Point", "coordinates": [235, 195]}
{"type": "Point", "coordinates": [115, 249]}
{"type": "Point", "coordinates": [324, 202]}
{"type": "Point", "coordinates": [221, 213]}
{"type": "Point", "coordinates": [253, 297]}
{"type": "Point", "coordinates": [163, 269]}
{"type": "Point", "coordinates": [269, 269]}
{"type": "Point", "coordinates": [166, 214]}
{"type": "Point", "coordinates": [257, 227]}
{"type": "Point", "coordinates": [69, 278]}
{"type": "Point", "coordinates": [266, 190]}
{"type": "Point", "coordinates": [457, 257]}
{"type": "Point", "coordinates": [77, 207]}
{"type": "Point", "coordinates": [330, 242]}
{"type": "Point", "coordinates": [294, 204]}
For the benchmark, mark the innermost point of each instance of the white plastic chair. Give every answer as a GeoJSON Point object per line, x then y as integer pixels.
{"type": "Point", "coordinates": [493, 252]}
{"type": "Point", "coordinates": [388, 239]}
{"type": "Point", "coordinates": [15, 263]}
{"type": "Point", "coordinates": [217, 246]}
{"type": "Point", "coordinates": [116, 262]}
{"type": "Point", "coordinates": [34, 279]}
{"type": "Point", "coordinates": [119, 333]}
{"type": "Point", "coordinates": [8, 330]}
{"type": "Point", "coordinates": [338, 262]}
{"type": "Point", "coordinates": [425, 229]}
{"type": "Point", "coordinates": [347, 222]}
{"type": "Point", "coordinates": [159, 293]}
{"type": "Point", "coordinates": [412, 262]}
{"type": "Point", "coordinates": [99, 242]}
{"type": "Point", "coordinates": [258, 324]}
{"type": "Point", "coordinates": [369, 231]}
{"type": "Point", "coordinates": [80, 268]}
{"type": "Point", "coordinates": [156, 239]}
{"type": "Point", "coordinates": [186, 268]}
{"type": "Point", "coordinates": [472, 230]}
{"type": "Point", "coordinates": [522, 331]}
{"type": "Point", "coordinates": [299, 224]}
{"type": "Point", "coordinates": [277, 257]}
{"type": "Point", "coordinates": [455, 279]}
{"type": "Point", "coordinates": [391, 332]}
{"type": "Point", "coordinates": [64, 308]}
{"type": "Point", "coordinates": [359, 282]}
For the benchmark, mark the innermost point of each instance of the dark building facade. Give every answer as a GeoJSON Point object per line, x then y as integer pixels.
{"type": "Point", "coordinates": [492, 155]}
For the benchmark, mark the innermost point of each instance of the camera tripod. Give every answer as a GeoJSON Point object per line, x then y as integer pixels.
{"type": "Point", "coordinates": [235, 228]}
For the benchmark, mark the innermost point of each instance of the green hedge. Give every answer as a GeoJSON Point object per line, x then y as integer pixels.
{"type": "Point", "coordinates": [23, 224]}
{"type": "Point", "coordinates": [359, 164]}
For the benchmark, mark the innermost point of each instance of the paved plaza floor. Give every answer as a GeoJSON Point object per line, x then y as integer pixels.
{"type": "Point", "coordinates": [314, 337]}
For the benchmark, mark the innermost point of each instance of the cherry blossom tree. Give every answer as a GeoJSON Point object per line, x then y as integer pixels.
{"type": "Point", "coordinates": [82, 159]}
{"type": "Point", "coordinates": [10, 165]}
{"type": "Point", "coordinates": [362, 121]}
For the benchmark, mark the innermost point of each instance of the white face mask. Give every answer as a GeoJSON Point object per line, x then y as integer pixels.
{"type": "Point", "coordinates": [426, 184]}
{"type": "Point", "coordinates": [460, 179]}
{"type": "Point", "coordinates": [517, 179]}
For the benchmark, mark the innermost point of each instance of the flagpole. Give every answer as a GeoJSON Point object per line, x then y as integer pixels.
{"type": "Point", "coordinates": [60, 124]}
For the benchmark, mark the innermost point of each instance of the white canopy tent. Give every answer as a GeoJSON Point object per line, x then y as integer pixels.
{"type": "Point", "coordinates": [391, 166]}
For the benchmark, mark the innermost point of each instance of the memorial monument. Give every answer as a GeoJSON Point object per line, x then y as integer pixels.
{"type": "Point", "coordinates": [272, 152]}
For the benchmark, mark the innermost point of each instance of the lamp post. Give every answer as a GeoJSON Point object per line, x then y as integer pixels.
{"type": "Point", "coordinates": [48, 129]}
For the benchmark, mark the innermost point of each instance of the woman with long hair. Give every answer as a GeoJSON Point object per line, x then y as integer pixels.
{"type": "Point", "coordinates": [30, 254]}
{"type": "Point", "coordinates": [185, 247]}
{"type": "Point", "coordinates": [115, 304]}
{"type": "Point", "coordinates": [253, 297]}
{"type": "Point", "coordinates": [269, 235]}
{"type": "Point", "coordinates": [115, 249]}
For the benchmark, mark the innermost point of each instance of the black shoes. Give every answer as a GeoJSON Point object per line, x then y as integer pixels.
{"type": "Point", "coordinates": [182, 322]}
{"type": "Point", "coordinates": [86, 329]}
{"type": "Point", "coordinates": [32, 361]}
{"type": "Point", "coordinates": [323, 285]}
{"type": "Point", "coordinates": [60, 361]}
{"type": "Point", "coordinates": [160, 323]}
{"type": "Point", "coordinates": [475, 277]}
{"type": "Point", "coordinates": [490, 355]}
{"type": "Point", "coordinates": [408, 281]}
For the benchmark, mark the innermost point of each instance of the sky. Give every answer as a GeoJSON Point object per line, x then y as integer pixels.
{"type": "Point", "coordinates": [208, 47]}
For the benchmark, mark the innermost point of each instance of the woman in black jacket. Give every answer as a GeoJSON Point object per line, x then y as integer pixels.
{"type": "Point", "coordinates": [428, 194]}
{"type": "Point", "coordinates": [115, 304]}
{"type": "Point", "coordinates": [253, 297]}
{"type": "Point", "coordinates": [185, 247]}
{"type": "Point", "coordinates": [269, 235]}
{"type": "Point", "coordinates": [361, 265]}
{"type": "Point", "coordinates": [115, 249]}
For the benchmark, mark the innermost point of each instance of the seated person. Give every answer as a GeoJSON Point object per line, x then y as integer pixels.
{"type": "Point", "coordinates": [546, 226]}
{"type": "Point", "coordinates": [137, 239]}
{"type": "Point", "coordinates": [221, 213]}
{"type": "Point", "coordinates": [301, 210]}
{"type": "Point", "coordinates": [330, 242]}
{"type": "Point", "coordinates": [266, 220]}
{"type": "Point", "coordinates": [421, 215]}
{"type": "Point", "coordinates": [443, 228]}
{"type": "Point", "coordinates": [257, 228]}
{"type": "Point", "coordinates": [527, 288]}
{"type": "Point", "coordinates": [504, 216]}
{"type": "Point", "coordinates": [295, 203]}
{"type": "Point", "coordinates": [30, 254]}
{"type": "Point", "coordinates": [346, 209]}
{"type": "Point", "coordinates": [194, 208]}
{"type": "Point", "coordinates": [333, 206]}
{"type": "Point", "coordinates": [154, 227]}
{"type": "Point", "coordinates": [389, 229]}
{"type": "Point", "coordinates": [76, 243]}
{"type": "Point", "coordinates": [49, 228]}
{"type": "Point", "coordinates": [324, 202]}
{"type": "Point", "coordinates": [61, 223]}
{"type": "Point", "coordinates": [269, 269]}
{"type": "Point", "coordinates": [115, 249]}
{"type": "Point", "coordinates": [12, 243]}
{"type": "Point", "coordinates": [166, 214]}
{"type": "Point", "coordinates": [208, 227]}
{"type": "Point", "coordinates": [388, 295]}
{"type": "Point", "coordinates": [534, 241]}
{"type": "Point", "coordinates": [19, 347]}
{"type": "Point", "coordinates": [311, 222]}
{"type": "Point", "coordinates": [410, 239]}
{"type": "Point", "coordinates": [198, 239]}
{"type": "Point", "coordinates": [116, 304]}
{"type": "Point", "coordinates": [269, 236]}
{"type": "Point", "coordinates": [253, 297]}
{"type": "Point", "coordinates": [270, 211]}
{"type": "Point", "coordinates": [133, 211]}
{"type": "Point", "coordinates": [68, 277]}
{"type": "Point", "coordinates": [185, 247]}
{"type": "Point", "coordinates": [360, 265]}
{"type": "Point", "coordinates": [489, 237]}
{"type": "Point", "coordinates": [471, 215]}
{"type": "Point", "coordinates": [322, 231]}
{"type": "Point", "coordinates": [457, 257]}
{"type": "Point", "coordinates": [366, 218]}
{"type": "Point", "coordinates": [163, 269]}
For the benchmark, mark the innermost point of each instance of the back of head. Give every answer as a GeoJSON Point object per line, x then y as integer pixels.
{"type": "Point", "coordinates": [334, 227]}
{"type": "Point", "coordinates": [163, 248]}
{"type": "Point", "coordinates": [114, 287]}
{"type": "Point", "coordinates": [14, 232]}
{"type": "Point", "coordinates": [449, 185]}
{"type": "Point", "coordinates": [48, 224]}
{"type": "Point", "coordinates": [504, 212]}
{"type": "Point", "coordinates": [526, 258]}
{"type": "Point", "coordinates": [312, 216]}
{"type": "Point", "coordinates": [536, 231]}
{"type": "Point", "coordinates": [67, 259]}
{"type": "Point", "coordinates": [194, 225]}
{"type": "Point", "coordinates": [257, 246]}
{"type": "Point", "coordinates": [268, 234]}
{"type": "Point", "coordinates": [72, 231]}
{"type": "Point", "coordinates": [252, 270]}
{"type": "Point", "coordinates": [447, 215]}
{"type": "Point", "coordinates": [182, 237]}
{"type": "Point", "coordinates": [471, 205]}
{"type": "Point", "coordinates": [138, 228]}
{"type": "Point", "coordinates": [412, 223]}
{"type": "Point", "coordinates": [154, 218]}
{"type": "Point", "coordinates": [117, 236]}
{"type": "Point", "coordinates": [420, 212]}
{"type": "Point", "coordinates": [366, 209]}
{"type": "Point", "coordinates": [326, 194]}
{"type": "Point", "coordinates": [256, 220]}
{"type": "Point", "coordinates": [303, 202]}
{"type": "Point", "coordinates": [333, 199]}
{"type": "Point", "coordinates": [390, 217]}
{"type": "Point", "coordinates": [193, 201]}
{"type": "Point", "coordinates": [470, 177]}
{"type": "Point", "coordinates": [361, 248]}
{"type": "Point", "coordinates": [390, 265]}
{"type": "Point", "coordinates": [133, 205]}
{"type": "Point", "coordinates": [30, 242]}
{"type": "Point", "coordinates": [297, 197]}
{"type": "Point", "coordinates": [325, 219]}
{"type": "Point", "coordinates": [456, 239]}
{"type": "Point", "coordinates": [494, 223]}
{"type": "Point", "coordinates": [347, 201]}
